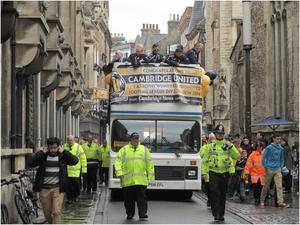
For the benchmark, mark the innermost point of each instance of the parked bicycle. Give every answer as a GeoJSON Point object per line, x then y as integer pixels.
{"type": "Point", "coordinates": [26, 201]}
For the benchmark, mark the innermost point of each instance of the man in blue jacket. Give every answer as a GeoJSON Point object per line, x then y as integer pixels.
{"type": "Point", "coordinates": [273, 161]}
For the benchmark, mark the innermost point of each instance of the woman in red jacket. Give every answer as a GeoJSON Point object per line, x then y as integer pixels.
{"type": "Point", "coordinates": [256, 170]}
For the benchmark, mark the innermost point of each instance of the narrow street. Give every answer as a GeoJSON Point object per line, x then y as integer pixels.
{"type": "Point", "coordinates": [169, 209]}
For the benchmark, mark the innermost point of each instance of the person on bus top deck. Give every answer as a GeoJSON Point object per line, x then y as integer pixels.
{"type": "Point", "coordinates": [217, 159]}
{"type": "Point", "coordinates": [118, 57]}
{"type": "Point", "coordinates": [154, 57]}
{"type": "Point", "coordinates": [135, 169]}
{"type": "Point", "coordinates": [177, 58]}
{"type": "Point", "coordinates": [136, 59]}
{"type": "Point", "coordinates": [193, 54]}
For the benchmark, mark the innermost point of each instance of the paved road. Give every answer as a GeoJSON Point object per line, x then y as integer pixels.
{"type": "Point", "coordinates": [162, 210]}
{"type": "Point", "coordinates": [98, 208]}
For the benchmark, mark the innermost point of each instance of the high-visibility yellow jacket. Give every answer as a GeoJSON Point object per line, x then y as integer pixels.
{"type": "Point", "coordinates": [92, 152]}
{"type": "Point", "coordinates": [215, 159]}
{"type": "Point", "coordinates": [134, 166]}
{"type": "Point", "coordinates": [105, 155]}
{"type": "Point", "coordinates": [76, 149]}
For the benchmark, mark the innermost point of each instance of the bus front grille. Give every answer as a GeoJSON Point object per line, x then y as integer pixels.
{"type": "Point", "coordinates": [169, 173]}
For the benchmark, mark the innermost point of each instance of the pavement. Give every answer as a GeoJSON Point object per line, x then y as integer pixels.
{"type": "Point", "coordinates": [91, 207]}
{"type": "Point", "coordinates": [268, 215]}
{"type": "Point", "coordinates": [83, 211]}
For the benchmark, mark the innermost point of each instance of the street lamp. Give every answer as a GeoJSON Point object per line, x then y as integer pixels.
{"type": "Point", "coordinates": [247, 47]}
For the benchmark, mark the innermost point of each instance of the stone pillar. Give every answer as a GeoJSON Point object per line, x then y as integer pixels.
{"type": "Point", "coordinates": [52, 111]}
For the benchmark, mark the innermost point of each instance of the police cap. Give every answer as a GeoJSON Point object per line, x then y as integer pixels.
{"type": "Point", "coordinates": [219, 129]}
{"type": "Point", "coordinates": [134, 135]}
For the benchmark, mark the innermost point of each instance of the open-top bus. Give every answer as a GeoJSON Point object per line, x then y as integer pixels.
{"type": "Point", "coordinates": [164, 105]}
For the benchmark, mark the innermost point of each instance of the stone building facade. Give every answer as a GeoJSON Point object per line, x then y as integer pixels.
{"type": "Point", "coordinates": [221, 30]}
{"type": "Point", "coordinates": [97, 46]}
{"type": "Point", "coordinates": [274, 68]}
{"type": "Point", "coordinates": [47, 64]}
{"type": "Point", "coordinates": [183, 26]}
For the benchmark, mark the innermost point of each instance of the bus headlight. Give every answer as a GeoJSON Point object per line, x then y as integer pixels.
{"type": "Point", "coordinates": [191, 173]}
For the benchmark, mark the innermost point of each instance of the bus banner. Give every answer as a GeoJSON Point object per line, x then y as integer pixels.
{"type": "Point", "coordinates": [156, 84]}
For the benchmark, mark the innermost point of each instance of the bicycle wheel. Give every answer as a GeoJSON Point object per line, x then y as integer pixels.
{"type": "Point", "coordinates": [4, 214]}
{"type": "Point", "coordinates": [23, 210]}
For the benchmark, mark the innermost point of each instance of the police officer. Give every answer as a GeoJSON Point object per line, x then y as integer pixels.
{"type": "Point", "coordinates": [135, 168]}
{"type": "Point", "coordinates": [217, 159]}
{"type": "Point", "coordinates": [93, 157]}
{"type": "Point", "coordinates": [205, 178]}
{"type": "Point", "coordinates": [73, 190]}
{"type": "Point", "coordinates": [105, 156]}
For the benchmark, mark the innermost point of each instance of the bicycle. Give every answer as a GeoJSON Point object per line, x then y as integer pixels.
{"type": "Point", "coordinates": [27, 203]}
{"type": "Point", "coordinates": [4, 211]}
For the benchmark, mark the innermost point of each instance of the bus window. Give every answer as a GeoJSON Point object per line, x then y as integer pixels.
{"type": "Point", "coordinates": [121, 129]}
{"type": "Point", "coordinates": [178, 136]}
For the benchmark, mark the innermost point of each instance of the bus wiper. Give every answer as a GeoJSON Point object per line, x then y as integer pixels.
{"type": "Point", "coordinates": [177, 154]}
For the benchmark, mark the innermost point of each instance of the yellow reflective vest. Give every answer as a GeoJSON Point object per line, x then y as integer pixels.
{"type": "Point", "coordinates": [105, 155]}
{"type": "Point", "coordinates": [76, 149]}
{"type": "Point", "coordinates": [134, 166]}
{"type": "Point", "coordinates": [92, 152]}
{"type": "Point", "coordinates": [215, 159]}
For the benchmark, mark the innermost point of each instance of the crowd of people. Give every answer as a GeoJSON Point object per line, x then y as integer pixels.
{"type": "Point", "coordinates": [139, 57]}
{"type": "Point", "coordinates": [70, 168]}
{"type": "Point", "coordinates": [229, 164]}
{"type": "Point", "coordinates": [234, 166]}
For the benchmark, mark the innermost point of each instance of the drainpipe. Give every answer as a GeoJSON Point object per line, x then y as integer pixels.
{"type": "Point", "coordinates": [13, 136]}
{"type": "Point", "coordinates": [38, 111]}
{"type": "Point", "coordinates": [247, 34]}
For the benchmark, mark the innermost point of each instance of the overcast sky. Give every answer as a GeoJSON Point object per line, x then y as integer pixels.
{"type": "Point", "coordinates": [128, 16]}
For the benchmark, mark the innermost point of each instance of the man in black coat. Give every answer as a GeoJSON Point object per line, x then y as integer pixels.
{"type": "Point", "coordinates": [138, 57]}
{"type": "Point", "coordinates": [51, 177]}
{"type": "Point", "coordinates": [154, 57]}
{"type": "Point", "coordinates": [118, 57]}
{"type": "Point", "coordinates": [193, 54]}
{"type": "Point", "coordinates": [177, 58]}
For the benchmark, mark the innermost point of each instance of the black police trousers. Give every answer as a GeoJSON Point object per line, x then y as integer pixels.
{"type": "Point", "coordinates": [92, 170]}
{"type": "Point", "coordinates": [134, 194]}
{"type": "Point", "coordinates": [218, 187]}
{"type": "Point", "coordinates": [73, 190]}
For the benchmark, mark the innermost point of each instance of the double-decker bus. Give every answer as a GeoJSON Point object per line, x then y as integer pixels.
{"type": "Point", "coordinates": [164, 105]}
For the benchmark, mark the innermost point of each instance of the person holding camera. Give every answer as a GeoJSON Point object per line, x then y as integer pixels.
{"type": "Point", "coordinates": [217, 157]}
{"type": "Point", "coordinates": [51, 177]}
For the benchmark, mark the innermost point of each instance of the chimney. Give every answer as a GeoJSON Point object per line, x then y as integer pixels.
{"type": "Point", "coordinates": [147, 26]}
{"type": "Point", "coordinates": [173, 25]}
{"type": "Point", "coordinates": [156, 27]}
{"type": "Point", "coordinates": [143, 26]}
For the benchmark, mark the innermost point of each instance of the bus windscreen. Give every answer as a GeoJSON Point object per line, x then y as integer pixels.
{"type": "Point", "coordinates": [159, 136]}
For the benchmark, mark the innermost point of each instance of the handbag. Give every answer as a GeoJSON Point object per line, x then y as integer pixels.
{"type": "Point", "coordinates": [285, 171]}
